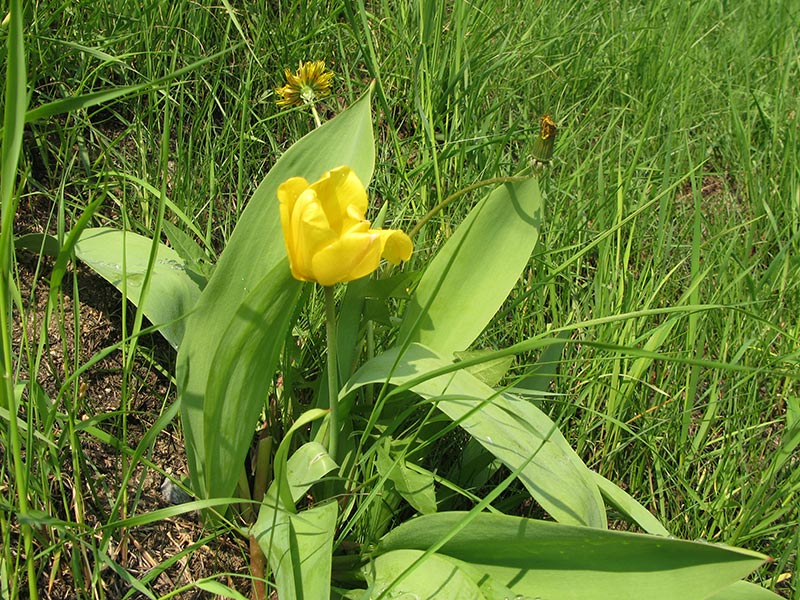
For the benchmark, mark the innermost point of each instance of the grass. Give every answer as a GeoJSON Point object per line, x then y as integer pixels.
{"type": "Point", "coordinates": [676, 184]}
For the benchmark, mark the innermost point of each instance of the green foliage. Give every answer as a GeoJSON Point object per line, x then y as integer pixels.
{"type": "Point", "coordinates": [540, 559]}
{"type": "Point", "coordinates": [299, 548]}
{"type": "Point", "coordinates": [435, 578]}
{"type": "Point", "coordinates": [416, 488]}
{"type": "Point", "coordinates": [122, 259]}
{"type": "Point", "coordinates": [243, 362]}
{"type": "Point", "coordinates": [230, 311]}
{"type": "Point", "coordinates": [15, 101]}
{"type": "Point", "coordinates": [668, 255]}
{"type": "Point", "coordinates": [513, 430]}
{"type": "Point", "coordinates": [298, 545]}
{"type": "Point", "coordinates": [623, 502]}
{"type": "Point", "coordinates": [471, 276]}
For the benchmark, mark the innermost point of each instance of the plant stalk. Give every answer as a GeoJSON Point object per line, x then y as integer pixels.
{"type": "Point", "coordinates": [314, 112]}
{"type": "Point", "coordinates": [333, 376]}
{"type": "Point", "coordinates": [258, 568]}
{"type": "Point", "coordinates": [432, 212]}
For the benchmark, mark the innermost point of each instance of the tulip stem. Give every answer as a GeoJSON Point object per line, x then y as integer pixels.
{"type": "Point", "coordinates": [460, 193]}
{"type": "Point", "coordinates": [333, 372]}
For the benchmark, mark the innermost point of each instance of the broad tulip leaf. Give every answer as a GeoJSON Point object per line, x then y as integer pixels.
{"type": "Point", "coordinates": [254, 250]}
{"type": "Point", "coordinates": [489, 587]}
{"type": "Point", "coordinates": [514, 430]}
{"type": "Point", "coordinates": [285, 488]}
{"type": "Point", "coordinates": [473, 273]}
{"type": "Point", "coordinates": [349, 326]}
{"type": "Point", "coordinates": [174, 290]}
{"type": "Point", "coordinates": [744, 590]}
{"type": "Point", "coordinates": [242, 374]}
{"type": "Point", "coordinates": [40, 243]}
{"type": "Point", "coordinates": [433, 578]}
{"type": "Point", "coordinates": [492, 370]}
{"type": "Point", "coordinates": [309, 463]}
{"type": "Point", "coordinates": [551, 560]}
{"type": "Point", "coordinates": [415, 487]}
{"type": "Point", "coordinates": [299, 549]}
{"type": "Point", "coordinates": [627, 505]}
{"type": "Point", "coordinates": [189, 250]}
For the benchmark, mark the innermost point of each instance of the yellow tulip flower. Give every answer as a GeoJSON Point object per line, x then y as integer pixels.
{"type": "Point", "coordinates": [327, 238]}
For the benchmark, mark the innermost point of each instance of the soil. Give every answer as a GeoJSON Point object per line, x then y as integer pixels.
{"type": "Point", "coordinates": [88, 496]}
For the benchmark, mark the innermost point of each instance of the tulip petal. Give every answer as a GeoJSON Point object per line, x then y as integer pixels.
{"type": "Point", "coordinates": [397, 246]}
{"type": "Point", "coordinates": [342, 196]}
{"type": "Point", "coordinates": [327, 236]}
{"type": "Point", "coordinates": [288, 192]}
{"type": "Point", "coordinates": [312, 230]}
{"type": "Point", "coordinates": [290, 189]}
{"type": "Point", "coordinates": [350, 257]}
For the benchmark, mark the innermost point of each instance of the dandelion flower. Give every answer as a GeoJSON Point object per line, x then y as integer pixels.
{"type": "Point", "coordinates": [543, 145]}
{"type": "Point", "coordinates": [309, 83]}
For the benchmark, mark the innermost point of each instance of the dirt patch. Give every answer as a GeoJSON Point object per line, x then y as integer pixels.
{"type": "Point", "coordinates": [98, 411]}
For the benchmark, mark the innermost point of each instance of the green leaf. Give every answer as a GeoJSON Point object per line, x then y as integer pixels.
{"type": "Point", "coordinates": [514, 430]}
{"type": "Point", "coordinates": [15, 103]}
{"type": "Point", "coordinates": [256, 248]}
{"type": "Point", "coordinates": [488, 586]}
{"type": "Point", "coordinates": [398, 574]}
{"type": "Point", "coordinates": [473, 469]}
{"type": "Point", "coordinates": [189, 250]}
{"type": "Point", "coordinates": [564, 562]}
{"type": "Point", "coordinates": [244, 365]}
{"type": "Point", "coordinates": [174, 290]}
{"type": "Point", "coordinates": [472, 275]}
{"type": "Point", "coordinates": [295, 475]}
{"type": "Point", "coordinates": [37, 396]}
{"type": "Point", "coordinates": [626, 504]}
{"type": "Point", "coordinates": [378, 311]}
{"type": "Point", "coordinates": [490, 371]}
{"type": "Point", "coordinates": [790, 437]}
{"type": "Point", "coordinates": [73, 103]}
{"type": "Point", "coordinates": [415, 487]}
{"type": "Point", "coordinates": [40, 243]}
{"type": "Point", "coordinates": [352, 594]}
{"type": "Point", "coordinates": [349, 326]}
{"type": "Point", "coordinates": [299, 549]}
{"type": "Point", "coordinates": [536, 381]}
{"type": "Point", "coordinates": [125, 576]}
{"type": "Point", "coordinates": [744, 590]}
{"type": "Point", "coordinates": [219, 589]}
{"type": "Point", "coordinates": [309, 463]}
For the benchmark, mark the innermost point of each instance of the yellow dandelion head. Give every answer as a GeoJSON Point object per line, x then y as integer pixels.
{"type": "Point", "coordinates": [543, 145]}
{"type": "Point", "coordinates": [308, 84]}
{"type": "Point", "coordinates": [548, 128]}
